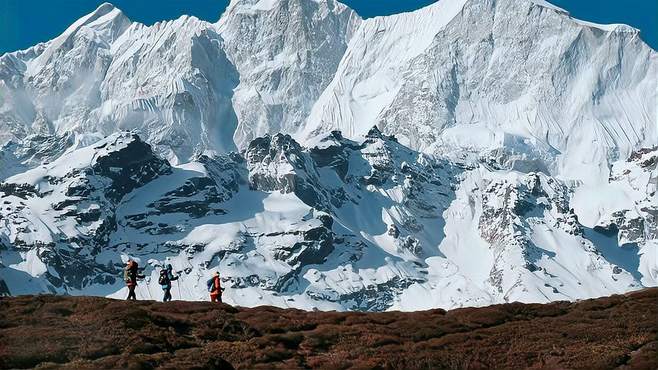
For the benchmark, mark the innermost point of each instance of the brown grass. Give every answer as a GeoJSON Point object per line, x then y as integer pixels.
{"type": "Point", "coordinates": [92, 333]}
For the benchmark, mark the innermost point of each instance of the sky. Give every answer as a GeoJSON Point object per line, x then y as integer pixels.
{"type": "Point", "coordinates": [24, 23]}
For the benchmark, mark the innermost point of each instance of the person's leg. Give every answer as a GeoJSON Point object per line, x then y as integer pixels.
{"type": "Point", "coordinates": [167, 295]}
{"type": "Point", "coordinates": [131, 293]}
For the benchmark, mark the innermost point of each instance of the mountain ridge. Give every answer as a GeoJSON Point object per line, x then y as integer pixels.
{"type": "Point", "coordinates": [258, 91]}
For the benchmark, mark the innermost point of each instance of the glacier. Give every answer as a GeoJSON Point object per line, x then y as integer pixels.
{"type": "Point", "coordinates": [463, 154]}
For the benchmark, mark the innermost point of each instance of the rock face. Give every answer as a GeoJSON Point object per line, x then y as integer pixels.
{"type": "Point", "coordinates": [63, 213]}
{"type": "Point", "coordinates": [286, 53]}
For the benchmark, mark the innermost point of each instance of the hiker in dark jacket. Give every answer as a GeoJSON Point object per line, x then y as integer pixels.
{"type": "Point", "coordinates": [215, 288]}
{"type": "Point", "coordinates": [166, 277]}
{"type": "Point", "coordinates": [130, 275]}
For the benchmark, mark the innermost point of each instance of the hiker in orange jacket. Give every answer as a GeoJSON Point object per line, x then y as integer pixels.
{"type": "Point", "coordinates": [215, 288]}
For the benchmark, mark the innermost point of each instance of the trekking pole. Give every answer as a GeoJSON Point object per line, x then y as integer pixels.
{"type": "Point", "coordinates": [148, 287]}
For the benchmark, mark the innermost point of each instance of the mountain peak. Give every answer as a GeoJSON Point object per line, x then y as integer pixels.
{"type": "Point", "coordinates": [105, 13]}
{"type": "Point", "coordinates": [104, 8]}
{"type": "Point", "coordinates": [107, 21]}
{"type": "Point", "coordinates": [611, 27]}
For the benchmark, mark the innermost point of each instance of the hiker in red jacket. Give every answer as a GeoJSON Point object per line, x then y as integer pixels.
{"type": "Point", "coordinates": [130, 276]}
{"type": "Point", "coordinates": [215, 288]}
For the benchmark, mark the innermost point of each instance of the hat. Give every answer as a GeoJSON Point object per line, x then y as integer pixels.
{"type": "Point", "coordinates": [216, 273]}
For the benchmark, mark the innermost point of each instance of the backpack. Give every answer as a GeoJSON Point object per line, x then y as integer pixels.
{"type": "Point", "coordinates": [126, 274]}
{"type": "Point", "coordinates": [211, 283]}
{"type": "Point", "coordinates": [164, 278]}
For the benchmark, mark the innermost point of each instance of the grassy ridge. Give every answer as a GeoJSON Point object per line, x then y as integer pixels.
{"type": "Point", "coordinates": [92, 332]}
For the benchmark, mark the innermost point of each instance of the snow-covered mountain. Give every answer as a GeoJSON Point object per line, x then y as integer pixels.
{"type": "Point", "coordinates": [511, 74]}
{"type": "Point", "coordinates": [467, 153]}
{"type": "Point", "coordinates": [342, 224]}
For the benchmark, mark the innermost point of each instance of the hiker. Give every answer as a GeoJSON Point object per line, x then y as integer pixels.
{"type": "Point", "coordinates": [215, 288]}
{"type": "Point", "coordinates": [166, 277]}
{"type": "Point", "coordinates": [130, 275]}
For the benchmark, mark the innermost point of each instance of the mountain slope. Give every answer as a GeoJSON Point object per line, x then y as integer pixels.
{"type": "Point", "coordinates": [286, 52]}
{"type": "Point", "coordinates": [516, 74]}
{"type": "Point", "coordinates": [361, 225]}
